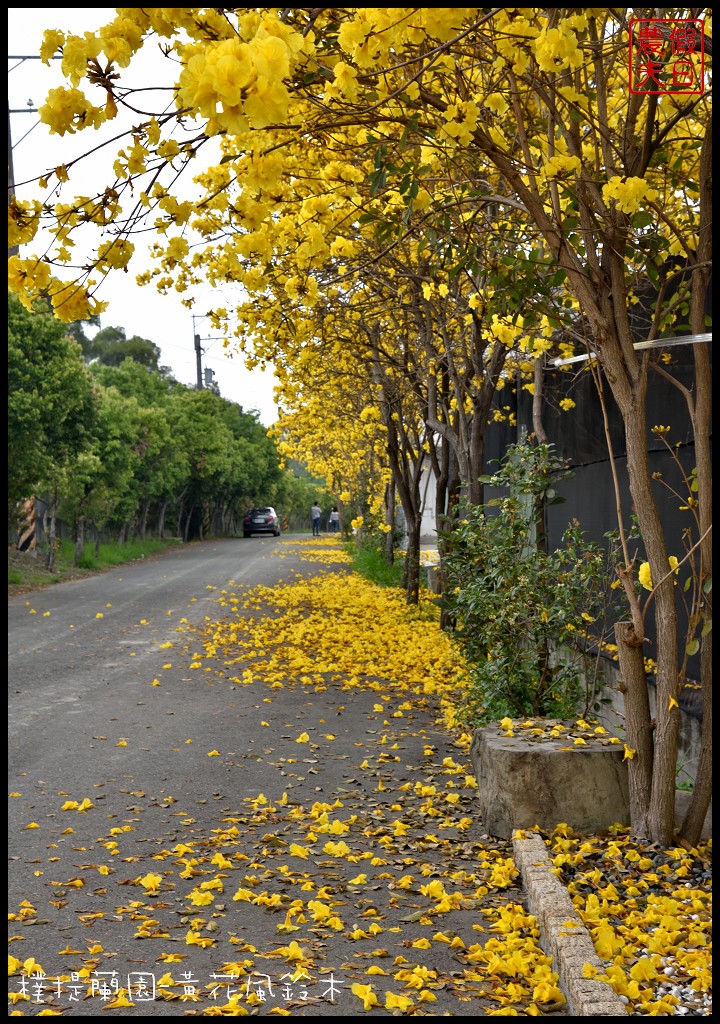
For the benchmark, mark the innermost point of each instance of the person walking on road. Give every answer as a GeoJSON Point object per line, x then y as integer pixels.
{"type": "Point", "coordinates": [334, 520]}
{"type": "Point", "coordinates": [316, 513]}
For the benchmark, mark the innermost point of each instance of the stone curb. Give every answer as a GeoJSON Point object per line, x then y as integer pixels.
{"type": "Point", "coordinates": [562, 933]}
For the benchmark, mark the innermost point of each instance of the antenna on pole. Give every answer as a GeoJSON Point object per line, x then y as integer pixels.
{"type": "Point", "coordinates": [204, 377]}
{"type": "Point", "coordinates": [198, 355]}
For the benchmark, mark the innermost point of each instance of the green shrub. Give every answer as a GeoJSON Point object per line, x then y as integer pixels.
{"type": "Point", "coordinates": [513, 604]}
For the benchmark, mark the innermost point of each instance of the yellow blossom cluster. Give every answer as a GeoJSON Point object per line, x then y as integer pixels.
{"type": "Point", "coordinates": [66, 111]}
{"type": "Point", "coordinates": [237, 85]}
{"type": "Point", "coordinates": [630, 194]}
{"type": "Point", "coordinates": [23, 221]}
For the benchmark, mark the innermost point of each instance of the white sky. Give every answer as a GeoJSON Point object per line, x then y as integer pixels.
{"type": "Point", "coordinates": [140, 311]}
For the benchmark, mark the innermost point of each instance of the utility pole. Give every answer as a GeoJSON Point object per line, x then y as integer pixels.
{"type": "Point", "coordinates": [198, 357]}
{"type": "Point", "coordinates": [204, 378]}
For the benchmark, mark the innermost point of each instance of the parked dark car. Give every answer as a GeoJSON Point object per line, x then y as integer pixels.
{"type": "Point", "coordinates": [261, 520]}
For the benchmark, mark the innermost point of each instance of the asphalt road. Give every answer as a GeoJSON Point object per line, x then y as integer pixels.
{"type": "Point", "coordinates": [137, 854]}
{"type": "Point", "coordinates": [85, 722]}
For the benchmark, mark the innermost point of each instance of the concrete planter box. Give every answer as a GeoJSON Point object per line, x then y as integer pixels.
{"type": "Point", "coordinates": [528, 777]}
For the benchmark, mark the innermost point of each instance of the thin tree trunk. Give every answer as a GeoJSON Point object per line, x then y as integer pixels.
{"type": "Point", "coordinates": [390, 521]}
{"type": "Point", "coordinates": [161, 520]}
{"type": "Point", "coordinates": [667, 712]}
{"type": "Point", "coordinates": [411, 569]}
{"type": "Point", "coordinates": [181, 509]}
{"type": "Point", "coordinates": [538, 396]}
{"type": "Point", "coordinates": [79, 539]}
{"type": "Point", "coordinates": [142, 522]}
{"type": "Point", "coordinates": [446, 501]}
{"type": "Point", "coordinates": [638, 726]}
{"type": "Point", "coordinates": [51, 532]}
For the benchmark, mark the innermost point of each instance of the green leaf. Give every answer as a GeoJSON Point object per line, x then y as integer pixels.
{"type": "Point", "coordinates": [693, 647]}
{"type": "Point", "coordinates": [643, 219]}
{"type": "Point", "coordinates": [707, 586]}
{"type": "Point", "coordinates": [707, 627]}
{"type": "Point", "coordinates": [378, 180]}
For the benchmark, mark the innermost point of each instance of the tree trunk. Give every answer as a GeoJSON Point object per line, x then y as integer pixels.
{"type": "Point", "coordinates": [537, 406]}
{"type": "Point", "coordinates": [390, 521]}
{"type": "Point", "coordinates": [181, 509]}
{"type": "Point", "coordinates": [51, 533]}
{"type": "Point", "coordinates": [79, 539]}
{"type": "Point", "coordinates": [667, 715]}
{"type": "Point", "coordinates": [220, 518]}
{"type": "Point", "coordinates": [142, 521]}
{"type": "Point", "coordinates": [638, 726]}
{"type": "Point", "coordinates": [447, 491]}
{"type": "Point", "coordinates": [161, 520]}
{"type": "Point", "coordinates": [411, 569]}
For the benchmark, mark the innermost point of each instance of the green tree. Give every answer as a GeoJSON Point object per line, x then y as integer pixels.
{"type": "Point", "coordinates": [162, 464]}
{"type": "Point", "coordinates": [77, 331]}
{"type": "Point", "coordinates": [206, 440]}
{"type": "Point", "coordinates": [51, 405]}
{"type": "Point", "coordinates": [111, 347]}
{"type": "Point", "coordinates": [102, 484]}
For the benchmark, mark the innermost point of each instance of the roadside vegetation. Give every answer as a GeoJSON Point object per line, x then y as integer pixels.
{"type": "Point", "coordinates": [27, 571]}
{"type": "Point", "coordinates": [368, 558]}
